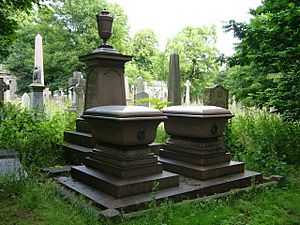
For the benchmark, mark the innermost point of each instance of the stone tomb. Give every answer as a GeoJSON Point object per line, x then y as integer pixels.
{"type": "Point", "coordinates": [195, 149]}
{"type": "Point", "coordinates": [216, 96]}
{"type": "Point", "coordinates": [105, 86]}
{"type": "Point", "coordinates": [122, 165]}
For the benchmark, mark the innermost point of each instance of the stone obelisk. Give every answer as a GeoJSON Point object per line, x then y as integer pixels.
{"type": "Point", "coordinates": [174, 89]}
{"type": "Point", "coordinates": [37, 86]}
{"type": "Point", "coordinates": [38, 56]}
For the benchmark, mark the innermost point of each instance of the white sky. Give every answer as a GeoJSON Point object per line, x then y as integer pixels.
{"type": "Point", "coordinates": [167, 17]}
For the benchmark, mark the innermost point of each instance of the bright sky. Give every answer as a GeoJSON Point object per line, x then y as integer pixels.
{"type": "Point", "coordinates": [167, 17]}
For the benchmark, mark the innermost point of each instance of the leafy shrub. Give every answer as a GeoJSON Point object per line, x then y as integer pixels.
{"type": "Point", "coordinates": [155, 102]}
{"type": "Point", "coordinates": [264, 141]}
{"type": "Point", "coordinates": [36, 135]}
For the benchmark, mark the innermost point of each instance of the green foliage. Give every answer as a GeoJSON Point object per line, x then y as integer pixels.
{"type": "Point", "coordinates": [144, 49]}
{"type": "Point", "coordinates": [161, 135]}
{"type": "Point", "coordinates": [198, 54]}
{"type": "Point", "coordinates": [9, 23]}
{"type": "Point", "coordinates": [154, 102]}
{"type": "Point", "coordinates": [33, 201]}
{"type": "Point", "coordinates": [69, 30]}
{"type": "Point", "coordinates": [268, 58]}
{"type": "Point", "coordinates": [264, 141]}
{"type": "Point", "coordinates": [37, 136]}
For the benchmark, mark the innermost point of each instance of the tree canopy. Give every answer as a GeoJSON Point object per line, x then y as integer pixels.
{"type": "Point", "coordinates": [9, 22]}
{"type": "Point", "coordinates": [68, 28]}
{"type": "Point", "coordinates": [198, 54]}
{"type": "Point", "coordinates": [265, 71]}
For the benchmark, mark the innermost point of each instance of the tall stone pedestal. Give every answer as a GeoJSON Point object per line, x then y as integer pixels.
{"type": "Point", "coordinates": [105, 86]}
{"type": "Point", "coordinates": [36, 95]}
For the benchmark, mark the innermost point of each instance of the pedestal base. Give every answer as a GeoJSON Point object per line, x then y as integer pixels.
{"type": "Point", "coordinates": [198, 158]}
{"type": "Point", "coordinates": [124, 171]}
{"type": "Point", "coordinates": [36, 95]}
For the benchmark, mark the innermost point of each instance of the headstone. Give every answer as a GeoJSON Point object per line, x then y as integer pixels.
{"type": "Point", "coordinates": [3, 87]}
{"type": "Point", "coordinates": [139, 96]}
{"type": "Point", "coordinates": [80, 96]}
{"type": "Point", "coordinates": [216, 96]}
{"type": "Point", "coordinates": [140, 87]}
{"type": "Point", "coordinates": [174, 90]}
{"type": "Point", "coordinates": [47, 93]}
{"type": "Point", "coordinates": [38, 57]}
{"type": "Point", "coordinates": [57, 95]}
{"type": "Point", "coordinates": [187, 92]}
{"type": "Point", "coordinates": [25, 100]}
{"type": "Point", "coordinates": [73, 81]}
{"type": "Point", "coordinates": [10, 165]}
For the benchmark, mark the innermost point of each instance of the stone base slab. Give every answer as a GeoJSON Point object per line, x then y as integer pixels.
{"type": "Point", "coordinates": [119, 187]}
{"type": "Point", "coordinates": [202, 160]}
{"type": "Point", "coordinates": [202, 172]}
{"type": "Point", "coordinates": [189, 188]}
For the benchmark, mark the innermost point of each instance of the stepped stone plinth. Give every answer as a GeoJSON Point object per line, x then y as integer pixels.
{"type": "Point", "coordinates": [195, 148]}
{"type": "Point", "coordinates": [121, 164]}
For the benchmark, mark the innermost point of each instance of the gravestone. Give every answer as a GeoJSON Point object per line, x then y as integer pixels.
{"type": "Point", "coordinates": [25, 100]}
{"type": "Point", "coordinates": [57, 96]}
{"type": "Point", "coordinates": [37, 86]}
{"type": "Point", "coordinates": [3, 87]}
{"type": "Point", "coordinates": [10, 165]}
{"type": "Point", "coordinates": [47, 93]}
{"type": "Point", "coordinates": [140, 89]}
{"type": "Point", "coordinates": [139, 96]}
{"type": "Point", "coordinates": [80, 95]}
{"type": "Point", "coordinates": [73, 81]}
{"type": "Point", "coordinates": [174, 89]}
{"type": "Point", "coordinates": [187, 92]}
{"type": "Point", "coordinates": [216, 96]}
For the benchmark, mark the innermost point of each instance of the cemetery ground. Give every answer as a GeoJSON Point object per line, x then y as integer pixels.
{"type": "Point", "coordinates": [263, 141]}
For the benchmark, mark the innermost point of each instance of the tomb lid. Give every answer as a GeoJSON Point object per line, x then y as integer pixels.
{"type": "Point", "coordinates": [122, 111]}
{"type": "Point", "coordinates": [197, 111]}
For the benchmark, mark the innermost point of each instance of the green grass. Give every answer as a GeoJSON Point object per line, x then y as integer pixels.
{"type": "Point", "coordinates": [33, 202]}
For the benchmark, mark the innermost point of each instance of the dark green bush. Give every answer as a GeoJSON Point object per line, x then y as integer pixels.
{"type": "Point", "coordinates": [264, 141]}
{"type": "Point", "coordinates": [37, 136]}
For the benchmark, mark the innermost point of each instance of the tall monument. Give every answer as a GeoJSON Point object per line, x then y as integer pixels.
{"type": "Point", "coordinates": [38, 56]}
{"type": "Point", "coordinates": [37, 85]}
{"type": "Point", "coordinates": [174, 89]}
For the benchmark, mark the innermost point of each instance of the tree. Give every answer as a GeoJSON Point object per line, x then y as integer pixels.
{"type": "Point", "coordinates": [9, 23]}
{"type": "Point", "coordinates": [269, 51]}
{"type": "Point", "coordinates": [144, 48]}
{"type": "Point", "coordinates": [198, 54]}
{"type": "Point", "coordinates": [69, 29]}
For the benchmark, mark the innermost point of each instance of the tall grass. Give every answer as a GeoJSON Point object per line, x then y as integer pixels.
{"type": "Point", "coordinates": [264, 141]}
{"type": "Point", "coordinates": [36, 135]}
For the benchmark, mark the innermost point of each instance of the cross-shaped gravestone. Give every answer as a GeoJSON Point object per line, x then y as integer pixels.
{"type": "Point", "coordinates": [187, 92]}
{"type": "Point", "coordinates": [3, 87]}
